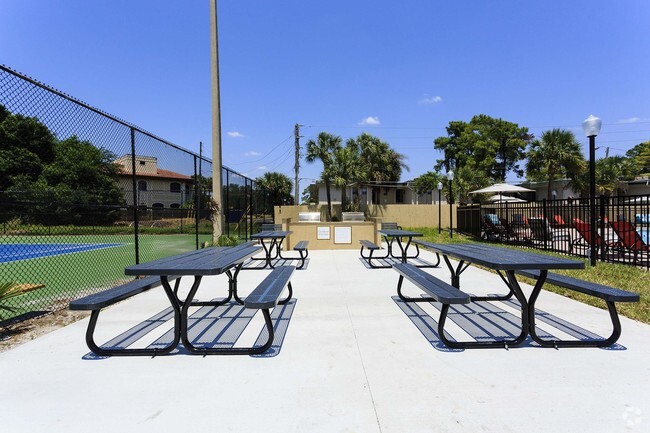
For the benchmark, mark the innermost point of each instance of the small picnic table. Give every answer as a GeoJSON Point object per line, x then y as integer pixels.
{"type": "Point", "coordinates": [391, 235]}
{"type": "Point", "coordinates": [272, 250]}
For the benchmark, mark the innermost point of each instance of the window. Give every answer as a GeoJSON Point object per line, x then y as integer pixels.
{"type": "Point", "coordinates": [142, 185]}
{"type": "Point", "coordinates": [175, 206]}
{"type": "Point", "coordinates": [157, 206]}
{"type": "Point", "coordinates": [399, 196]}
{"type": "Point", "coordinates": [174, 187]}
{"type": "Point", "coordinates": [142, 162]}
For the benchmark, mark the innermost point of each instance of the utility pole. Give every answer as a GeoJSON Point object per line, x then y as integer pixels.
{"type": "Point", "coordinates": [296, 133]}
{"type": "Point", "coordinates": [217, 224]}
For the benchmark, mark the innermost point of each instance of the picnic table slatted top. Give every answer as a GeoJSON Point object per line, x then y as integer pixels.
{"type": "Point", "coordinates": [498, 258]}
{"type": "Point", "coordinates": [397, 232]}
{"type": "Point", "coordinates": [208, 261]}
{"type": "Point", "coordinates": [270, 234]}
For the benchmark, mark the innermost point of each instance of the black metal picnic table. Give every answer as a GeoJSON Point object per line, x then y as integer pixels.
{"type": "Point", "coordinates": [276, 237]}
{"type": "Point", "coordinates": [200, 263]}
{"type": "Point", "coordinates": [505, 262]}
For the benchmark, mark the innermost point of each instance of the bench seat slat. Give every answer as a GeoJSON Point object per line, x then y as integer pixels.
{"type": "Point", "coordinates": [443, 292]}
{"type": "Point", "coordinates": [301, 246]}
{"type": "Point", "coordinates": [266, 294]}
{"type": "Point", "coordinates": [594, 289]}
{"type": "Point", "coordinates": [103, 299]}
{"type": "Point", "coordinates": [368, 244]}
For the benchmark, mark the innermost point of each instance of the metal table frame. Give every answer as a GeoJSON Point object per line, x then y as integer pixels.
{"type": "Point", "coordinates": [391, 235]}
{"type": "Point", "coordinates": [205, 262]}
{"type": "Point", "coordinates": [505, 262]}
{"type": "Point", "coordinates": [272, 250]}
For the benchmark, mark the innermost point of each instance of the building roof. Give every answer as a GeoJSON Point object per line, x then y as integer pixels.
{"type": "Point", "coordinates": [160, 174]}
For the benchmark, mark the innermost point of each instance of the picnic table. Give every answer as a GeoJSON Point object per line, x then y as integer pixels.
{"type": "Point", "coordinates": [200, 263]}
{"type": "Point", "coordinates": [506, 262]}
{"type": "Point", "coordinates": [392, 235]}
{"type": "Point", "coordinates": [272, 248]}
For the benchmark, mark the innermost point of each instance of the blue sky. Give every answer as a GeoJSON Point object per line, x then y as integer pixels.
{"type": "Point", "coordinates": [398, 70]}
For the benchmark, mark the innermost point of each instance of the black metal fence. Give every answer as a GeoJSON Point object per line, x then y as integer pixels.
{"type": "Point", "coordinates": [622, 226]}
{"type": "Point", "coordinates": [84, 194]}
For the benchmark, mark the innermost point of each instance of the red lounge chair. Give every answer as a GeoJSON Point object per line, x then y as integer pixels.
{"type": "Point", "coordinates": [584, 229]}
{"type": "Point", "coordinates": [629, 238]}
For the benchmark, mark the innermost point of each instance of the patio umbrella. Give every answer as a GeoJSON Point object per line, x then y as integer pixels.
{"type": "Point", "coordinates": [500, 188]}
{"type": "Point", "coordinates": [505, 198]}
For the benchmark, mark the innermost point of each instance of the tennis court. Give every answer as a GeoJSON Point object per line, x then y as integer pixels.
{"type": "Point", "coordinates": [15, 252]}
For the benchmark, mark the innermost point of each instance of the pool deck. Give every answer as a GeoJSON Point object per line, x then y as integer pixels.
{"type": "Point", "coordinates": [351, 360]}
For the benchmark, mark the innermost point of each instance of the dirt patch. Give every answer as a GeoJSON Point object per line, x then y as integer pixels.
{"type": "Point", "coordinates": [26, 330]}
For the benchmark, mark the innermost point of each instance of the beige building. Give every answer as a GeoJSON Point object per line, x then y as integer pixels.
{"type": "Point", "coordinates": [156, 187]}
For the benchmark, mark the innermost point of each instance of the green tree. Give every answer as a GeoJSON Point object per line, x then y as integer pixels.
{"type": "Point", "coordinates": [610, 174]}
{"type": "Point", "coordinates": [640, 156]}
{"type": "Point", "coordinates": [428, 182]}
{"type": "Point", "coordinates": [556, 155]}
{"type": "Point", "coordinates": [323, 149]}
{"type": "Point", "coordinates": [79, 187]}
{"type": "Point", "coordinates": [346, 170]}
{"type": "Point", "coordinates": [309, 194]}
{"type": "Point", "coordinates": [279, 187]}
{"type": "Point", "coordinates": [26, 145]}
{"type": "Point", "coordinates": [379, 162]}
{"type": "Point", "coordinates": [485, 144]}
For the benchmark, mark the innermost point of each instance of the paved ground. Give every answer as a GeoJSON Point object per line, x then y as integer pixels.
{"type": "Point", "coordinates": [352, 359]}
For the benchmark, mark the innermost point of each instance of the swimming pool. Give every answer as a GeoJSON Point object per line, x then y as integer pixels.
{"type": "Point", "coordinates": [15, 252]}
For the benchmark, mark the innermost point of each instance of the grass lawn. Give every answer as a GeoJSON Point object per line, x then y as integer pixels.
{"type": "Point", "coordinates": [625, 277]}
{"type": "Point", "coordinates": [70, 276]}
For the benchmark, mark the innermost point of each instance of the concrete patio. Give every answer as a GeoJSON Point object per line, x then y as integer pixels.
{"type": "Point", "coordinates": [352, 359]}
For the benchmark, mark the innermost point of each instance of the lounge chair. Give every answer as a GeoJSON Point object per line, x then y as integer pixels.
{"type": "Point", "coordinates": [542, 232]}
{"type": "Point", "coordinates": [584, 229]}
{"type": "Point", "coordinates": [492, 228]}
{"type": "Point", "coordinates": [630, 239]}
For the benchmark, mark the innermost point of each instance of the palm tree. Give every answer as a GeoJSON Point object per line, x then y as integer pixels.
{"type": "Point", "coordinates": [345, 169]}
{"type": "Point", "coordinates": [556, 155]}
{"type": "Point", "coordinates": [379, 163]}
{"type": "Point", "coordinates": [323, 148]}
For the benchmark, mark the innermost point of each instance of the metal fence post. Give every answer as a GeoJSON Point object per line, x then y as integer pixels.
{"type": "Point", "coordinates": [197, 217]}
{"type": "Point", "coordinates": [602, 228]}
{"type": "Point", "coordinates": [136, 215]}
{"type": "Point", "coordinates": [545, 214]}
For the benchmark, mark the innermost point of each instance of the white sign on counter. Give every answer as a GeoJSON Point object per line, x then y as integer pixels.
{"type": "Point", "coordinates": [323, 233]}
{"type": "Point", "coordinates": [342, 235]}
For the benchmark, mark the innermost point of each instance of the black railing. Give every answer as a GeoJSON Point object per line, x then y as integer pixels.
{"type": "Point", "coordinates": [622, 226]}
{"type": "Point", "coordinates": [67, 231]}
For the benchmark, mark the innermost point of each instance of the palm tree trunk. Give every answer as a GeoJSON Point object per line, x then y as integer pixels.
{"type": "Point", "coordinates": [329, 200]}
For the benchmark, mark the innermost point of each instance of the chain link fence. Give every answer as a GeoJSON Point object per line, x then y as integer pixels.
{"type": "Point", "coordinates": [84, 194]}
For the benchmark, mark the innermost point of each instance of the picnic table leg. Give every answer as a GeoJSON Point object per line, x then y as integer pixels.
{"type": "Point", "coordinates": [95, 348]}
{"type": "Point", "coordinates": [591, 342]}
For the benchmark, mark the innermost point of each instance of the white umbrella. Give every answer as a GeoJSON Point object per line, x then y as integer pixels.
{"type": "Point", "coordinates": [505, 198]}
{"type": "Point", "coordinates": [501, 188]}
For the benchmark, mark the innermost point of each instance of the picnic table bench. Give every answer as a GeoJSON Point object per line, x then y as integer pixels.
{"type": "Point", "coordinates": [204, 262]}
{"type": "Point", "coordinates": [266, 296]}
{"type": "Point", "coordinates": [610, 295]}
{"type": "Point", "coordinates": [372, 247]}
{"type": "Point", "coordinates": [98, 301]}
{"type": "Point", "coordinates": [301, 247]}
{"type": "Point", "coordinates": [436, 289]}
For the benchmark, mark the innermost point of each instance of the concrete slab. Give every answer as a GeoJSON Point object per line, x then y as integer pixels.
{"type": "Point", "coordinates": [351, 361]}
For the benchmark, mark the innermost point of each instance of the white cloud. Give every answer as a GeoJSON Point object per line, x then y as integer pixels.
{"type": "Point", "coordinates": [235, 134]}
{"type": "Point", "coordinates": [262, 168]}
{"type": "Point", "coordinates": [252, 153]}
{"type": "Point", "coordinates": [370, 120]}
{"type": "Point", "coordinates": [633, 120]}
{"type": "Point", "coordinates": [431, 100]}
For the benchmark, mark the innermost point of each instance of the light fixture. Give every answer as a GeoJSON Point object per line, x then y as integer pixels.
{"type": "Point", "coordinates": [450, 175]}
{"type": "Point", "coordinates": [591, 126]}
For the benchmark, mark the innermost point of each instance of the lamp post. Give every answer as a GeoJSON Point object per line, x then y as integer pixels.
{"type": "Point", "coordinates": [450, 178]}
{"type": "Point", "coordinates": [439, 207]}
{"type": "Point", "coordinates": [591, 127]}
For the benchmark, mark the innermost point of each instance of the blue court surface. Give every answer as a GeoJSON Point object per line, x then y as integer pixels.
{"type": "Point", "coordinates": [15, 252]}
